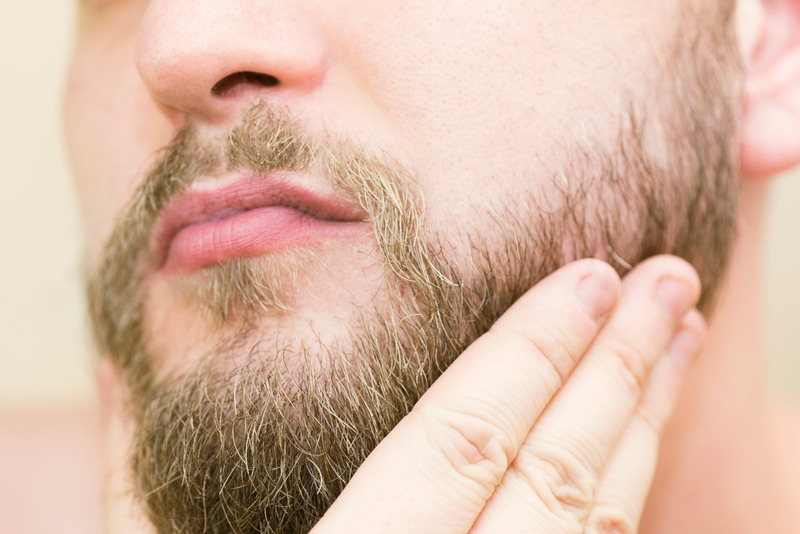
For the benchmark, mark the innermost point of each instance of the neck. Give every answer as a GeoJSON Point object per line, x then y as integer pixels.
{"type": "Point", "coordinates": [719, 470]}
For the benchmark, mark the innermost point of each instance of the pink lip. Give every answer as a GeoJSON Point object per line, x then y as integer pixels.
{"type": "Point", "coordinates": [249, 217]}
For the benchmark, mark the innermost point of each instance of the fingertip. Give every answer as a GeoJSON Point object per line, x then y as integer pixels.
{"type": "Point", "coordinates": [695, 321]}
{"type": "Point", "coordinates": [687, 343]}
{"type": "Point", "coordinates": [597, 267]}
{"type": "Point", "coordinates": [675, 283]}
{"type": "Point", "coordinates": [675, 296]}
{"type": "Point", "coordinates": [598, 289]}
{"type": "Point", "coordinates": [675, 267]}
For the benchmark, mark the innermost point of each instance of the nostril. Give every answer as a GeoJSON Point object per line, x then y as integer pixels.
{"type": "Point", "coordinates": [229, 84]}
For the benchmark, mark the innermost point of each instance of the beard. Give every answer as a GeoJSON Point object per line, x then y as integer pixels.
{"type": "Point", "coordinates": [262, 432]}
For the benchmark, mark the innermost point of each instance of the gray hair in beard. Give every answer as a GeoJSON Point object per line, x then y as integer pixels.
{"type": "Point", "coordinates": [266, 446]}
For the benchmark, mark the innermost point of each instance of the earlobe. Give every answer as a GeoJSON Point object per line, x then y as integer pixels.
{"type": "Point", "coordinates": [771, 122]}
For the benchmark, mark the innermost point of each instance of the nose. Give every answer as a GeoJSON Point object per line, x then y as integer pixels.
{"type": "Point", "coordinates": [208, 59]}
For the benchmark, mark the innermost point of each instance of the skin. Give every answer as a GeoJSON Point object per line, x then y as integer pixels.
{"type": "Point", "coordinates": [333, 68]}
{"type": "Point", "coordinates": [454, 110]}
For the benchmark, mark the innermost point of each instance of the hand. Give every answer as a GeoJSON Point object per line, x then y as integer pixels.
{"type": "Point", "coordinates": [512, 439]}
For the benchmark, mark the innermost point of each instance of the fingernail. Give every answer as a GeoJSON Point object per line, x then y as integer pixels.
{"type": "Point", "coordinates": [598, 294]}
{"type": "Point", "coordinates": [675, 297]}
{"type": "Point", "coordinates": [684, 347]}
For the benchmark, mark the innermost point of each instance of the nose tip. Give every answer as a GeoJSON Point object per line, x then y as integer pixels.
{"type": "Point", "coordinates": [207, 59]}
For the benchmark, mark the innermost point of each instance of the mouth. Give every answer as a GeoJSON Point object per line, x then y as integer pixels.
{"type": "Point", "coordinates": [249, 217]}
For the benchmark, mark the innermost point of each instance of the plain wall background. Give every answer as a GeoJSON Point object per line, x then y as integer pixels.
{"type": "Point", "coordinates": [45, 359]}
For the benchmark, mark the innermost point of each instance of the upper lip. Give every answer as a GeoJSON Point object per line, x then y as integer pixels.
{"type": "Point", "coordinates": [198, 205]}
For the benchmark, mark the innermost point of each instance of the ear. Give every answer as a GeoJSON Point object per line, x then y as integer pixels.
{"type": "Point", "coordinates": [770, 34]}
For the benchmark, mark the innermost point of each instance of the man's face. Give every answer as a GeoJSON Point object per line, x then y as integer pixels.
{"type": "Point", "coordinates": [371, 182]}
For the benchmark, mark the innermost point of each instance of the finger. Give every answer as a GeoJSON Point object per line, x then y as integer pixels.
{"type": "Point", "coordinates": [624, 486]}
{"type": "Point", "coordinates": [560, 463]}
{"type": "Point", "coordinates": [436, 469]}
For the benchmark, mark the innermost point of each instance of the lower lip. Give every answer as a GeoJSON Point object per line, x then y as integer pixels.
{"type": "Point", "coordinates": [252, 233]}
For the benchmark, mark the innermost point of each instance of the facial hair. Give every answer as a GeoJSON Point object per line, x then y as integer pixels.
{"type": "Point", "coordinates": [267, 444]}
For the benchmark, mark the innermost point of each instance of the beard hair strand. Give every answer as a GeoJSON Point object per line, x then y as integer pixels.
{"type": "Point", "coordinates": [266, 441]}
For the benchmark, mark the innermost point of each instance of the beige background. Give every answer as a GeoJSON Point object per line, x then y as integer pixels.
{"type": "Point", "coordinates": [44, 354]}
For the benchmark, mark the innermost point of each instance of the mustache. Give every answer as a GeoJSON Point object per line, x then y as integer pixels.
{"type": "Point", "coordinates": [262, 140]}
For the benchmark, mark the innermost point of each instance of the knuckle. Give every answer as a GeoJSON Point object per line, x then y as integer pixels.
{"type": "Point", "coordinates": [546, 339]}
{"type": "Point", "coordinates": [471, 446]}
{"type": "Point", "coordinates": [561, 481]}
{"type": "Point", "coordinates": [630, 361]}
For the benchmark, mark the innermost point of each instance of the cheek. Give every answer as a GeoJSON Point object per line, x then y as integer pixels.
{"type": "Point", "coordinates": [112, 130]}
{"type": "Point", "coordinates": [486, 95]}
